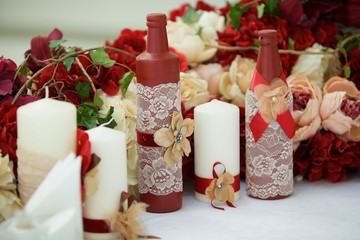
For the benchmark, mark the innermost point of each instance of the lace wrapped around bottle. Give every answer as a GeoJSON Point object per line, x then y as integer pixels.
{"type": "Point", "coordinates": [269, 161]}
{"type": "Point", "coordinates": [32, 169]}
{"type": "Point", "coordinates": [155, 107]}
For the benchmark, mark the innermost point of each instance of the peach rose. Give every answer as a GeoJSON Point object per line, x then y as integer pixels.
{"type": "Point", "coordinates": [235, 83]}
{"type": "Point", "coordinates": [193, 90]}
{"type": "Point", "coordinates": [317, 67]}
{"type": "Point", "coordinates": [212, 73]}
{"type": "Point", "coordinates": [340, 109]}
{"type": "Point", "coordinates": [307, 99]}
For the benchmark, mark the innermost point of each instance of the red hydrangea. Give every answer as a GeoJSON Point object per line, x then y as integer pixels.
{"type": "Point", "coordinates": [325, 156]}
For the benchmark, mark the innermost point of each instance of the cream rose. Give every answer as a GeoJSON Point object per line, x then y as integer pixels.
{"type": "Point", "coordinates": [185, 39]}
{"type": "Point", "coordinates": [307, 99]}
{"type": "Point", "coordinates": [193, 90]}
{"type": "Point", "coordinates": [340, 109]}
{"type": "Point", "coordinates": [9, 201]}
{"type": "Point", "coordinates": [125, 118]}
{"type": "Point", "coordinates": [317, 67]}
{"type": "Point", "coordinates": [212, 73]}
{"type": "Point", "coordinates": [235, 83]}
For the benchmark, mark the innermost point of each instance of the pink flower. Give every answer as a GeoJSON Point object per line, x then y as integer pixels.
{"type": "Point", "coordinates": [212, 74]}
{"type": "Point", "coordinates": [340, 109]}
{"type": "Point", "coordinates": [307, 99]}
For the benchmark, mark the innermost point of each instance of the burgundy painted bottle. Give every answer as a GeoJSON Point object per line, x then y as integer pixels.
{"type": "Point", "coordinates": [269, 160]}
{"type": "Point", "coordinates": [158, 96]}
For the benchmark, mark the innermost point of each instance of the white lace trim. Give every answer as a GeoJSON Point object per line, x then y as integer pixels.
{"type": "Point", "coordinates": [269, 161]}
{"type": "Point", "coordinates": [155, 108]}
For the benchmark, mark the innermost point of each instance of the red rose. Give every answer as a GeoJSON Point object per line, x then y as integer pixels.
{"type": "Point", "coordinates": [8, 131]}
{"type": "Point", "coordinates": [291, 10]}
{"type": "Point", "coordinates": [302, 37]}
{"type": "Point", "coordinates": [325, 156]}
{"type": "Point", "coordinates": [132, 41]}
{"type": "Point", "coordinates": [40, 49]}
{"type": "Point", "coordinates": [201, 5]}
{"type": "Point", "coordinates": [179, 12]}
{"type": "Point", "coordinates": [325, 33]}
{"type": "Point", "coordinates": [354, 63]}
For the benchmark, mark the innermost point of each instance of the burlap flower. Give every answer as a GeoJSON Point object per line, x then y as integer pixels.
{"type": "Point", "coordinates": [221, 188]}
{"type": "Point", "coordinates": [272, 99]}
{"type": "Point", "coordinates": [175, 138]}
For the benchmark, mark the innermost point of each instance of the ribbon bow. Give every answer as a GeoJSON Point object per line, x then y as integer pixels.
{"type": "Point", "coordinates": [221, 188]}
{"type": "Point", "coordinates": [273, 106]}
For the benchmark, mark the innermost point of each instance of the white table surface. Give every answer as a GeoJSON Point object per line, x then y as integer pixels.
{"type": "Point", "coordinates": [317, 210]}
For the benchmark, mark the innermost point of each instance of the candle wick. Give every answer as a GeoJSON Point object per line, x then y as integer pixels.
{"type": "Point", "coordinates": [46, 92]}
{"type": "Point", "coordinates": [107, 123]}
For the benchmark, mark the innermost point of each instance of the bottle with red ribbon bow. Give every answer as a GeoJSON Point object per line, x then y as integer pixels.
{"type": "Point", "coordinates": [269, 125]}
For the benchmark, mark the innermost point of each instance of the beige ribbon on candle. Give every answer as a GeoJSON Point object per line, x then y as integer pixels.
{"type": "Point", "coordinates": [32, 169]}
{"type": "Point", "coordinates": [272, 99]}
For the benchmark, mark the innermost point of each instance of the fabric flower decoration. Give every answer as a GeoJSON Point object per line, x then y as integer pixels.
{"type": "Point", "coordinates": [306, 105]}
{"type": "Point", "coordinates": [235, 83]}
{"type": "Point", "coordinates": [193, 90]}
{"type": "Point", "coordinates": [175, 138]}
{"type": "Point", "coordinates": [317, 67]}
{"type": "Point", "coordinates": [340, 109]}
{"type": "Point", "coordinates": [272, 99]}
{"type": "Point", "coordinates": [9, 201]}
{"type": "Point", "coordinates": [126, 221]}
{"type": "Point", "coordinates": [221, 188]}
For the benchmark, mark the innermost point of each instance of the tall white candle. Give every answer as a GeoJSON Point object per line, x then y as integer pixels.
{"type": "Point", "coordinates": [47, 127]}
{"type": "Point", "coordinates": [46, 133]}
{"type": "Point", "coordinates": [217, 139]}
{"type": "Point", "coordinates": [110, 146]}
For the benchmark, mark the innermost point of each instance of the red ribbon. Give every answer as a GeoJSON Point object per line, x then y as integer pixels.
{"type": "Point", "coordinates": [146, 139]}
{"type": "Point", "coordinates": [95, 226]}
{"type": "Point", "coordinates": [258, 125]}
{"type": "Point", "coordinates": [202, 183]}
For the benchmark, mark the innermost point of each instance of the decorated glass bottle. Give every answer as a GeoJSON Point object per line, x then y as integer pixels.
{"type": "Point", "coordinates": [269, 125]}
{"type": "Point", "coordinates": [158, 96]}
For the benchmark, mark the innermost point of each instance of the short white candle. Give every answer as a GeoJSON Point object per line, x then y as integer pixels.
{"type": "Point", "coordinates": [110, 146]}
{"type": "Point", "coordinates": [217, 139]}
{"type": "Point", "coordinates": [47, 127]}
{"type": "Point", "coordinates": [46, 133]}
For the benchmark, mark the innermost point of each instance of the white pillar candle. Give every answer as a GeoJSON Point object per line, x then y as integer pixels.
{"type": "Point", "coordinates": [47, 127]}
{"type": "Point", "coordinates": [46, 133]}
{"type": "Point", "coordinates": [217, 139]}
{"type": "Point", "coordinates": [110, 146]}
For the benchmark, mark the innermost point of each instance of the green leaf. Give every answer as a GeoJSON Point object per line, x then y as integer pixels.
{"type": "Point", "coordinates": [199, 31]}
{"type": "Point", "coordinates": [24, 70]}
{"type": "Point", "coordinates": [260, 10]}
{"type": "Point", "coordinates": [68, 62]}
{"type": "Point", "coordinates": [83, 88]}
{"type": "Point", "coordinates": [347, 72]}
{"type": "Point", "coordinates": [235, 15]}
{"type": "Point", "coordinates": [98, 102]}
{"type": "Point", "coordinates": [55, 44]}
{"type": "Point", "coordinates": [125, 82]}
{"type": "Point", "coordinates": [107, 119]}
{"type": "Point", "coordinates": [256, 42]}
{"type": "Point", "coordinates": [100, 57]}
{"type": "Point", "coordinates": [291, 43]}
{"type": "Point", "coordinates": [271, 6]}
{"type": "Point", "coordinates": [87, 115]}
{"type": "Point", "coordinates": [191, 16]}
{"type": "Point", "coordinates": [343, 51]}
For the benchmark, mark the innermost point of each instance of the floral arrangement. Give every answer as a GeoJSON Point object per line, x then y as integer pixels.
{"type": "Point", "coordinates": [319, 48]}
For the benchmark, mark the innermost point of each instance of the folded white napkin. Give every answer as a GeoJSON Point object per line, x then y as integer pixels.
{"type": "Point", "coordinates": [54, 210]}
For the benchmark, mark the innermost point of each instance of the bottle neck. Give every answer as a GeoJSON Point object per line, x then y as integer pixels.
{"type": "Point", "coordinates": [268, 62]}
{"type": "Point", "coordinates": [157, 40]}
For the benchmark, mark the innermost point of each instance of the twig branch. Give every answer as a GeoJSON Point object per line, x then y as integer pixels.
{"type": "Point", "coordinates": [86, 74]}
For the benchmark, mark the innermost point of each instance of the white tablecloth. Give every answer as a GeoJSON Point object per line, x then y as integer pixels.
{"type": "Point", "coordinates": [318, 210]}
